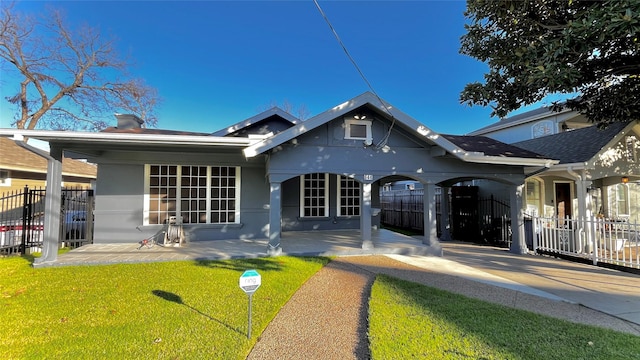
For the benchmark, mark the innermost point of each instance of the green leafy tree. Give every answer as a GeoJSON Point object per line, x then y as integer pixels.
{"type": "Point", "coordinates": [586, 51]}
{"type": "Point", "coordinates": [66, 78]}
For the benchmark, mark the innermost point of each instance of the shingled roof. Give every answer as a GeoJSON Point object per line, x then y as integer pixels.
{"type": "Point", "coordinates": [574, 146]}
{"type": "Point", "coordinates": [15, 157]}
{"type": "Point", "coordinates": [492, 147]}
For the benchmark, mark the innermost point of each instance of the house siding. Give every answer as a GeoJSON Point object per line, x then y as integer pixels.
{"type": "Point", "coordinates": [120, 199]}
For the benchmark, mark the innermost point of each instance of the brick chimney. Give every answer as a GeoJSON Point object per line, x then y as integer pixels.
{"type": "Point", "coordinates": [128, 121]}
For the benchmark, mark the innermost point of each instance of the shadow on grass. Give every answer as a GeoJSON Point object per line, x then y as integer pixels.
{"type": "Point", "coordinates": [263, 264]}
{"type": "Point", "coordinates": [175, 298]}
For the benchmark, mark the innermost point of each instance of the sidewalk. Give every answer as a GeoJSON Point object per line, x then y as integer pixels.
{"type": "Point", "coordinates": [612, 292]}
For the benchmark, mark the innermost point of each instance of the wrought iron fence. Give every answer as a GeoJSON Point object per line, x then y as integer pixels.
{"type": "Point", "coordinates": [22, 219]}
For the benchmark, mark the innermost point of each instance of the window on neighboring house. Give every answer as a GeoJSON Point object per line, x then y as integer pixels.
{"type": "Point", "coordinates": [314, 189]}
{"type": "Point", "coordinates": [622, 200]}
{"type": "Point", "coordinates": [632, 148]}
{"type": "Point", "coordinates": [195, 194]}
{"type": "Point", "coordinates": [533, 197]}
{"type": "Point", "coordinates": [348, 196]}
{"type": "Point", "coordinates": [5, 179]}
{"type": "Point", "coordinates": [357, 130]}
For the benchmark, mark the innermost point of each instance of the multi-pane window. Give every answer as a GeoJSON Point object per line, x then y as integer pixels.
{"type": "Point", "coordinates": [163, 180]}
{"type": "Point", "coordinates": [622, 196]}
{"type": "Point", "coordinates": [194, 194]}
{"type": "Point", "coordinates": [533, 197]}
{"type": "Point", "coordinates": [348, 196]}
{"type": "Point", "coordinates": [314, 190]}
{"type": "Point", "coordinates": [223, 194]}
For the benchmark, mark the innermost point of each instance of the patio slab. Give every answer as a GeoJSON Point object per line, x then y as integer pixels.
{"type": "Point", "coordinates": [311, 243]}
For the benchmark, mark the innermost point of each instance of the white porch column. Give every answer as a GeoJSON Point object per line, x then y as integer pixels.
{"type": "Point", "coordinates": [365, 217]}
{"type": "Point", "coordinates": [518, 244]}
{"type": "Point", "coordinates": [430, 224]}
{"type": "Point", "coordinates": [444, 214]}
{"type": "Point", "coordinates": [275, 216]}
{"type": "Point", "coordinates": [585, 235]}
{"type": "Point", "coordinates": [52, 208]}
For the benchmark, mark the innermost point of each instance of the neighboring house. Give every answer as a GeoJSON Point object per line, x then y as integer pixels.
{"type": "Point", "coordinates": [272, 173]}
{"type": "Point", "coordinates": [598, 169]}
{"type": "Point", "coordinates": [27, 166]}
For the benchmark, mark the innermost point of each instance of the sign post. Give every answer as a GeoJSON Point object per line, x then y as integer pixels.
{"type": "Point", "coordinates": [250, 281]}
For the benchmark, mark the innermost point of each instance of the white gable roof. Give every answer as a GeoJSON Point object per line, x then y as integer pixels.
{"type": "Point", "coordinates": [419, 129]}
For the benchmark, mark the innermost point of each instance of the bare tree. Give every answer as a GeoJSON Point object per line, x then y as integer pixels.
{"type": "Point", "coordinates": [301, 112]}
{"type": "Point", "coordinates": [66, 78]}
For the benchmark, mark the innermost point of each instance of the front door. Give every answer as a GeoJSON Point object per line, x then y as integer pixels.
{"type": "Point", "coordinates": [563, 202]}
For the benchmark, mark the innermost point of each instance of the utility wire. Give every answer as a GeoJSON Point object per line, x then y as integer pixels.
{"type": "Point", "coordinates": [344, 48]}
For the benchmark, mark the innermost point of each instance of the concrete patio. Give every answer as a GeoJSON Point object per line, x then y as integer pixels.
{"type": "Point", "coordinates": [311, 243]}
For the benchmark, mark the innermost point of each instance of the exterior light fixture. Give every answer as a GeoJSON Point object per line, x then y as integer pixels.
{"type": "Point", "coordinates": [625, 179]}
{"type": "Point", "coordinates": [360, 117]}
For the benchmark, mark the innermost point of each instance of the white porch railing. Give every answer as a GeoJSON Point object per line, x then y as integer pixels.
{"type": "Point", "coordinates": [600, 240]}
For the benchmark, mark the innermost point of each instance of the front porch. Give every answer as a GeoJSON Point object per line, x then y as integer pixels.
{"type": "Point", "coordinates": [302, 243]}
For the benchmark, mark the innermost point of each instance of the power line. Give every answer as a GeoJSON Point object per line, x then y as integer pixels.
{"type": "Point", "coordinates": [344, 48]}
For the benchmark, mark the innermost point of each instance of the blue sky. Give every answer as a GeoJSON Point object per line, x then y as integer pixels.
{"type": "Point", "coordinates": [215, 63]}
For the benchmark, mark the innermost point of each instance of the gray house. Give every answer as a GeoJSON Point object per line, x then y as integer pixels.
{"type": "Point", "coordinates": [273, 173]}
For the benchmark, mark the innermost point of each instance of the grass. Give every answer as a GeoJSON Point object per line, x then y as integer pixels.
{"type": "Point", "coordinates": [411, 321]}
{"type": "Point", "coordinates": [193, 310]}
{"type": "Point", "coordinates": [174, 310]}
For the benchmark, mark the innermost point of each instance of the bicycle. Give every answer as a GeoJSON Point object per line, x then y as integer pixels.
{"type": "Point", "coordinates": [152, 240]}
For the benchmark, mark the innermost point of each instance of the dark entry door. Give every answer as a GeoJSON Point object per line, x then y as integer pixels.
{"type": "Point", "coordinates": [464, 213]}
{"type": "Point", "coordinates": [563, 201]}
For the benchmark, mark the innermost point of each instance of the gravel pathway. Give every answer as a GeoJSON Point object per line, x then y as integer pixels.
{"type": "Point", "coordinates": [327, 317]}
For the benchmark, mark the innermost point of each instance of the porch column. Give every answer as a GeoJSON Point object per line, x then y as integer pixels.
{"type": "Point", "coordinates": [52, 207]}
{"type": "Point", "coordinates": [584, 234]}
{"type": "Point", "coordinates": [444, 214]}
{"type": "Point", "coordinates": [518, 244]}
{"type": "Point", "coordinates": [365, 217]}
{"type": "Point", "coordinates": [275, 215]}
{"type": "Point", "coordinates": [430, 224]}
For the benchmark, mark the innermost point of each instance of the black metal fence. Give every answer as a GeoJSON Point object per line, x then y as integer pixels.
{"type": "Point", "coordinates": [22, 219]}
{"type": "Point", "coordinates": [494, 221]}
{"type": "Point", "coordinates": [480, 220]}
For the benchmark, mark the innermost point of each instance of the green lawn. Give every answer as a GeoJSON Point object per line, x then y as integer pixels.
{"type": "Point", "coordinates": [174, 310]}
{"type": "Point", "coordinates": [191, 310]}
{"type": "Point", "coordinates": [411, 321]}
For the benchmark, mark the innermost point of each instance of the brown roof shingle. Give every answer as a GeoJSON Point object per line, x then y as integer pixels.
{"type": "Point", "coordinates": [15, 157]}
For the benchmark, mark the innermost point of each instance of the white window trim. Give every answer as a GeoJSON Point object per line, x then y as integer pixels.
{"type": "Point", "coordinates": [626, 210]}
{"type": "Point", "coordinates": [326, 196]}
{"type": "Point", "coordinates": [178, 210]}
{"type": "Point", "coordinates": [339, 196]}
{"type": "Point", "coordinates": [347, 129]}
{"type": "Point", "coordinates": [631, 144]}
